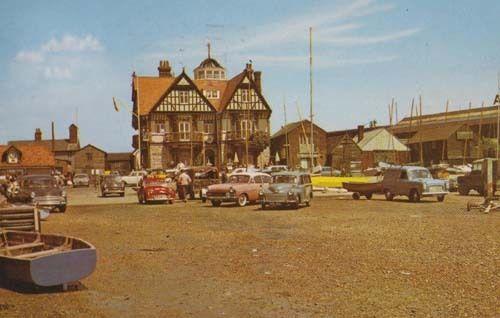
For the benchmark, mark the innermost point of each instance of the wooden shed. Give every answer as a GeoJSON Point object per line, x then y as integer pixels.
{"type": "Point", "coordinates": [343, 152]}
{"type": "Point", "coordinates": [90, 160]}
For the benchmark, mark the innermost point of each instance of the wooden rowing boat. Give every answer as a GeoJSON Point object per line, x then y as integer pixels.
{"type": "Point", "coordinates": [366, 189]}
{"type": "Point", "coordinates": [45, 259]}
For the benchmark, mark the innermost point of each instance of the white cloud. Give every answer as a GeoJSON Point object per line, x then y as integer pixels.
{"type": "Point", "coordinates": [57, 72]}
{"type": "Point", "coordinates": [29, 56]}
{"type": "Point", "coordinates": [353, 40]}
{"type": "Point", "coordinates": [60, 58]}
{"type": "Point", "coordinates": [73, 44]}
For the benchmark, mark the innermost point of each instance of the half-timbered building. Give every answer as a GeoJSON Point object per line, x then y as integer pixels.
{"type": "Point", "coordinates": [200, 120]}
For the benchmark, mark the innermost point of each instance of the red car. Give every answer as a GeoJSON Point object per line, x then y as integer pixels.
{"type": "Point", "coordinates": [155, 190]}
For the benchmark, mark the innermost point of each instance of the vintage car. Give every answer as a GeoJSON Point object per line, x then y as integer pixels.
{"type": "Point", "coordinates": [42, 190]}
{"type": "Point", "coordinates": [413, 182]}
{"type": "Point", "coordinates": [287, 188]}
{"type": "Point", "coordinates": [153, 189]}
{"type": "Point", "coordinates": [81, 180]}
{"type": "Point", "coordinates": [241, 188]}
{"type": "Point", "coordinates": [112, 184]}
{"type": "Point", "coordinates": [133, 178]}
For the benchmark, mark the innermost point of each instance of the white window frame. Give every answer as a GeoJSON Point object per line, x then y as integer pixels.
{"type": "Point", "coordinates": [183, 97]}
{"type": "Point", "coordinates": [245, 95]}
{"type": "Point", "coordinates": [184, 130]}
{"type": "Point", "coordinates": [246, 126]}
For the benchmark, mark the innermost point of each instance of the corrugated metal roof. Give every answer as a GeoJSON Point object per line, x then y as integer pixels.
{"type": "Point", "coordinates": [434, 133]}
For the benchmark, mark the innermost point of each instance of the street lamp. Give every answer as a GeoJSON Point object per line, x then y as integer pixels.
{"type": "Point", "coordinates": [117, 105]}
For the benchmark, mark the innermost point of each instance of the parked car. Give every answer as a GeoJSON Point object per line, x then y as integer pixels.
{"type": "Point", "coordinates": [475, 180]}
{"type": "Point", "coordinates": [111, 184]}
{"type": "Point", "coordinates": [275, 168]}
{"type": "Point", "coordinates": [413, 182]}
{"type": "Point", "coordinates": [43, 190]}
{"type": "Point", "coordinates": [287, 188]}
{"type": "Point", "coordinates": [81, 180]}
{"type": "Point", "coordinates": [155, 190]}
{"type": "Point", "coordinates": [133, 178]}
{"type": "Point", "coordinates": [241, 188]}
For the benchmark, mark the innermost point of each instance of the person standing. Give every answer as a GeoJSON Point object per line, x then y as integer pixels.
{"type": "Point", "coordinates": [184, 182]}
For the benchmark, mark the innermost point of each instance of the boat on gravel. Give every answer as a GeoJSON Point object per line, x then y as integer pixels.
{"type": "Point", "coordinates": [45, 259]}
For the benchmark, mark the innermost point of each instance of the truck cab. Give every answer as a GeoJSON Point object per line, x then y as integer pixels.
{"type": "Point", "coordinates": [475, 180]}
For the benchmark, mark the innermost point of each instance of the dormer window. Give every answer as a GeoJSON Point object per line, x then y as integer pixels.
{"type": "Point", "coordinates": [12, 157]}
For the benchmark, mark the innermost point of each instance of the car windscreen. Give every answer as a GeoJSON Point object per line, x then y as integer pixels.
{"type": "Point", "coordinates": [284, 179]}
{"type": "Point", "coordinates": [40, 183]}
{"type": "Point", "coordinates": [419, 174]}
{"type": "Point", "coordinates": [239, 178]}
{"type": "Point", "coordinates": [114, 179]}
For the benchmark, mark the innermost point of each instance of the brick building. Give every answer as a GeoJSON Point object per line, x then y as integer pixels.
{"type": "Point", "coordinates": [298, 153]}
{"type": "Point", "coordinates": [26, 159]}
{"type": "Point", "coordinates": [90, 160]}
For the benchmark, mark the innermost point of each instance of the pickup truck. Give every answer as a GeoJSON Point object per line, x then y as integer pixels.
{"type": "Point", "coordinates": [475, 180]}
{"type": "Point", "coordinates": [133, 178]}
{"type": "Point", "coordinates": [413, 182]}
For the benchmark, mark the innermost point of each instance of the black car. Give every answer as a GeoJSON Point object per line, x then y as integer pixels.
{"type": "Point", "coordinates": [112, 184]}
{"type": "Point", "coordinates": [42, 190]}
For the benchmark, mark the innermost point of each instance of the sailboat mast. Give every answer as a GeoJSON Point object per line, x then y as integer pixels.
{"type": "Point", "coordinates": [286, 131]}
{"type": "Point", "coordinates": [311, 97]}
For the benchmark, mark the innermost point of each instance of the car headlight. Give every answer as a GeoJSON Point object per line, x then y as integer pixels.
{"type": "Point", "coordinates": [261, 193]}
{"type": "Point", "coordinates": [33, 195]}
{"type": "Point", "coordinates": [290, 193]}
{"type": "Point", "coordinates": [231, 190]}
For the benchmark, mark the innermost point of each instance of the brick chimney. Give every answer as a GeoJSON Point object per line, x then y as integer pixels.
{"type": "Point", "coordinates": [361, 132]}
{"type": "Point", "coordinates": [38, 134]}
{"type": "Point", "coordinates": [73, 134]}
{"type": "Point", "coordinates": [164, 69]}
{"type": "Point", "coordinates": [258, 81]}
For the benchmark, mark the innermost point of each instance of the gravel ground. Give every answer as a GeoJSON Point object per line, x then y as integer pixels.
{"type": "Point", "coordinates": [338, 258]}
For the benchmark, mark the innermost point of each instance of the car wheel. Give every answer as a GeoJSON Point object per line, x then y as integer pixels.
{"type": "Point", "coordinates": [369, 196]}
{"type": "Point", "coordinates": [242, 200]}
{"type": "Point", "coordinates": [440, 198]}
{"type": "Point", "coordinates": [216, 202]}
{"type": "Point", "coordinates": [62, 208]}
{"type": "Point", "coordinates": [388, 195]}
{"type": "Point", "coordinates": [170, 201]}
{"type": "Point", "coordinates": [356, 196]}
{"type": "Point", "coordinates": [414, 196]}
{"type": "Point", "coordinates": [122, 194]}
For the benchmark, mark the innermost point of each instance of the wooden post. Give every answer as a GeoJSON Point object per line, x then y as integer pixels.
{"type": "Point", "coordinates": [445, 142]}
{"type": "Point", "coordinates": [480, 137]}
{"type": "Point", "coordinates": [466, 139]}
{"type": "Point", "coordinates": [420, 128]}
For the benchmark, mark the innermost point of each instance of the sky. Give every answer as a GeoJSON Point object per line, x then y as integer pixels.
{"type": "Point", "coordinates": [63, 61]}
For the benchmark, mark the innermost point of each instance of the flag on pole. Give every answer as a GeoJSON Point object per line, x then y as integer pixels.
{"type": "Point", "coordinates": [115, 104]}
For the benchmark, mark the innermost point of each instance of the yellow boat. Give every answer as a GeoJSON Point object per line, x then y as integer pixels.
{"type": "Point", "coordinates": [336, 182]}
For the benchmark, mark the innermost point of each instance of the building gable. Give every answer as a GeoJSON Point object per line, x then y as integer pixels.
{"type": "Point", "coordinates": [246, 97]}
{"type": "Point", "coordinates": [183, 96]}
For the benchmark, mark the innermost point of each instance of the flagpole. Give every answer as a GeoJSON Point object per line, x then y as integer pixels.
{"type": "Point", "coordinates": [311, 97]}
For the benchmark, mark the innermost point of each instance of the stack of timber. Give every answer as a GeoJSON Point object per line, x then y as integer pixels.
{"type": "Point", "coordinates": [22, 218]}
